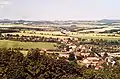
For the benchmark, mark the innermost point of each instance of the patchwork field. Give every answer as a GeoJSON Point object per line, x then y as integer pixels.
{"type": "Point", "coordinates": [26, 45]}
{"type": "Point", "coordinates": [57, 34]}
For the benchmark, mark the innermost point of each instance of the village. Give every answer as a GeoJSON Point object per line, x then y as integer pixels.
{"type": "Point", "coordinates": [86, 53]}
{"type": "Point", "coordinates": [59, 39]}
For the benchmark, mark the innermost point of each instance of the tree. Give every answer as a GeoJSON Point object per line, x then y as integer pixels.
{"type": "Point", "coordinates": [11, 65]}
{"type": "Point", "coordinates": [71, 56]}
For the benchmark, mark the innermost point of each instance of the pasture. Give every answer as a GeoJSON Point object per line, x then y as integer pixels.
{"type": "Point", "coordinates": [25, 45]}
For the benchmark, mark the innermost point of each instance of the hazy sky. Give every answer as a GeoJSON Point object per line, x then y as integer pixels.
{"type": "Point", "coordinates": [60, 9]}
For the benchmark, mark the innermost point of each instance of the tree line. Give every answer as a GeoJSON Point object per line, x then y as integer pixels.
{"type": "Point", "coordinates": [28, 38]}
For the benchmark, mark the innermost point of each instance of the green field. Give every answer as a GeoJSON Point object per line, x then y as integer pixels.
{"type": "Point", "coordinates": [25, 45]}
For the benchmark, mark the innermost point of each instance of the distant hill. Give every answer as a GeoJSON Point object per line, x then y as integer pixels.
{"type": "Point", "coordinates": [109, 21]}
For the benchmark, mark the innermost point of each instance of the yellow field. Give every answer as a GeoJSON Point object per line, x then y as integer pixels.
{"type": "Point", "coordinates": [98, 36]}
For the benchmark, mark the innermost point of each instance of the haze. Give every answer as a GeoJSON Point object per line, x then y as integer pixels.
{"type": "Point", "coordinates": [60, 9]}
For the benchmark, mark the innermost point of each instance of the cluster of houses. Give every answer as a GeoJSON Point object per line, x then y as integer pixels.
{"type": "Point", "coordinates": [84, 54]}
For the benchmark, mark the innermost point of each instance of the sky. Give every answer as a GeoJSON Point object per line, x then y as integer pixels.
{"type": "Point", "coordinates": [60, 9]}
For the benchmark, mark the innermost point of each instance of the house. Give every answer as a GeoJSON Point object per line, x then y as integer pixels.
{"type": "Point", "coordinates": [76, 39]}
{"type": "Point", "coordinates": [82, 48]}
{"type": "Point", "coordinates": [66, 55]}
{"type": "Point", "coordinates": [98, 67]}
{"type": "Point", "coordinates": [72, 46]}
{"type": "Point", "coordinates": [84, 54]}
{"type": "Point", "coordinates": [94, 61]}
{"type": "Point", "coordinates": [110, 61]}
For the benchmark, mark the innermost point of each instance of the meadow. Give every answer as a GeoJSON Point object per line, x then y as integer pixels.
{"type": "Point", "coordinates": [25, 45]}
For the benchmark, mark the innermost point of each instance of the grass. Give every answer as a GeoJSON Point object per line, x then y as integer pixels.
{"type": "Point", "coordinates": [26, 45]}
{"type": "Point", "coordinates": [24, 52]}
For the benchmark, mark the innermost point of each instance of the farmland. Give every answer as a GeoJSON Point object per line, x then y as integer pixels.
{"type": "Point", "coordinates": [57, 34]}
{"type": "Point", "coordinates": [39, 48]}
{"type": "Point", "coordinates": [29, 30]}
{"type": "Point", "coordinates": [98, 36]}
{"type": "Point", "coordinates": [25, 45]}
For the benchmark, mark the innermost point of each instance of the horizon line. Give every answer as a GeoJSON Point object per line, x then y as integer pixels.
{"type": "Point", "coordinates": [61, 20]}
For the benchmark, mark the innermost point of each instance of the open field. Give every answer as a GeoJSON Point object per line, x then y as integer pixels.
{"type": "Point", "coordinates": [10, 25]}
{"type": "Point", "coordinates": [98, 36]}
{"type": "Point", "coordinates": [25, 45]}
{"type": "Point", "coordinates": [106, 36]}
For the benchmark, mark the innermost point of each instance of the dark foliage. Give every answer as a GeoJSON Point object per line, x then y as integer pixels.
{"type": "Point", "coordinates": [13, 65]}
